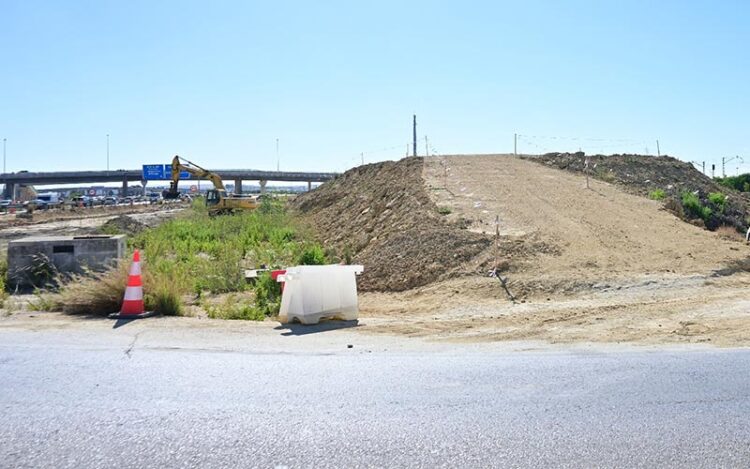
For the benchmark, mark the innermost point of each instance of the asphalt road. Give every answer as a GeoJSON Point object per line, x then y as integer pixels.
{"type": "Point", "coordinates": [71, 400]}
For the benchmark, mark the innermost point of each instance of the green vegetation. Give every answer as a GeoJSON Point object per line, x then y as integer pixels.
{"type": "Point", "coordinates": [233, 308]}
{"type": "Point", "coordinates": [657, 194]}
{"type": "Point", "coordinates": [3, 286]}
{"type": "Point", "coordinates": [719, 200]}
{"type": "Point", "coordinates": [42, 302]}
{"type": "Point", "coordinates": [201, 254]}
{"type": "Point", "coordinates": [313, 255]}
{"type": "Point", "coordinates": [694, 208]}
{"type": "Point", "coordinates": [197, 256]}
{"type": "Point", "coordinates": [740, 183]}
{"type": "Point", "coordinates": [444, 210]}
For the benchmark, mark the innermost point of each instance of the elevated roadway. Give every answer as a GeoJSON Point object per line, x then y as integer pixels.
{"type": "Point", "coordinates": [124, 176]}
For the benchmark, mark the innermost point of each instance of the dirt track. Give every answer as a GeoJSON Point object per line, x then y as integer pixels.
{"type": "Point", "coordinates": [615, 266]}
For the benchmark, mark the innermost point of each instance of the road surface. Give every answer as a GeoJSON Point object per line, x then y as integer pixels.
{"type": "Point", "coordinates": [142, 395]}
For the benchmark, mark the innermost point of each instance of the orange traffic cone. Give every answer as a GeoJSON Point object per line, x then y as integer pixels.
{"type": "Point", "coordinates": [132, 303]}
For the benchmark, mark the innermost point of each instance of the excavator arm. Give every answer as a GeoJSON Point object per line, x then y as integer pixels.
{"type": "Point", "coordinates": [181, 164]}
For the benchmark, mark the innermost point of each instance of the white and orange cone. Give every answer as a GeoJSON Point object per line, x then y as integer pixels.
{"type": "Point", "coordinates": [132, 303]}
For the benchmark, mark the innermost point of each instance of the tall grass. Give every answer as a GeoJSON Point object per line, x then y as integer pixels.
{"type": "Point", "coordinates": [195, 255]}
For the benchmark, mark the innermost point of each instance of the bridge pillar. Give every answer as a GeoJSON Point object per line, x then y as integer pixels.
{"type": "Point", "coordinates": [309, 186]}
{"type": "Point", "coordinates": [124, 192]}
{"type": "Point", "coordinates": [262, 186]}
{"type": "Point", "coordinates": [143, 185]}
{"type": "Point", "coordinates": [10, 191]}
{"type": "Point", "coordinates": [238, 186]}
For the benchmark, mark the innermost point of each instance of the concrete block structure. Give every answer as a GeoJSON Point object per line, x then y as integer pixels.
{"type": "Point", "coordinates": [36, 260]}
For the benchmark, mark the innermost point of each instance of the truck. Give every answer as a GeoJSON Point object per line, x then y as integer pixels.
{"type": "Point", "coordinates": [218, 200]}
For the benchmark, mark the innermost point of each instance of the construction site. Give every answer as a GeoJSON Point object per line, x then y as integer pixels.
{"type": "Point", "coordinates": [555, 248]}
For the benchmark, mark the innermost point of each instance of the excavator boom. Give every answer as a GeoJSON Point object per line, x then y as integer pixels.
{"type": "Point", "coordinates": [217, 199]}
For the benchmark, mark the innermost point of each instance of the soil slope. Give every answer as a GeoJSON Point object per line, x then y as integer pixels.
{"type": "Point", "coordinates": [594, 234]}
{"type": "Point", "coordinates": [642, 174]}
{"type": "Point", "coordinates": [381, 216]}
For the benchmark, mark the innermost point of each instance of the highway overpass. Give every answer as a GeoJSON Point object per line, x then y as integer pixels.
{"type": "Point", "coordinates": [124, 176]}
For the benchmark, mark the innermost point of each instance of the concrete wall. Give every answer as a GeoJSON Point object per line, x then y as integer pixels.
{"type": "Point", "coordinates": [66, 254]}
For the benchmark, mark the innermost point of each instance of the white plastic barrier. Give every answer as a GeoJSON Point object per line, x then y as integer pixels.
{"type": "Point", "coordinates": [313, 292]}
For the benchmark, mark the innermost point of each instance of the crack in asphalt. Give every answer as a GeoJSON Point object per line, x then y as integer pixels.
{"type": "Point", "coordinates": [130, 348]}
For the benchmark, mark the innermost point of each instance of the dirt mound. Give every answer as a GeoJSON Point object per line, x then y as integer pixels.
{"type": "Point", "coordinates": [558, 236]}
{"type": "Point", "coordinates": [642, 175]}
{"type": "Point", "coordinates": [381, 216]}
{"type": "Point", "coordinates": [123, 224]}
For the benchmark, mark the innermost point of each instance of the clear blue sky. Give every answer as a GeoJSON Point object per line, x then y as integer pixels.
{"type": "Point", "coordinates": [220, 81]}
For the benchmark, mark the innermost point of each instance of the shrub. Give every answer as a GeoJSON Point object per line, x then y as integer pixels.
{"type": "Point", "coordinates": [3, 284]}
{"type": "Point", "coordinates": [657, 194]}
{"type": "Point", "coordinates": [313, 255]}
{"type": "Point", "coordinates": [694, 208]}
{"type": "Point", "coordinates": [163, 297]}
{"type": "Point", "coordinates": [740, 183]}
{"type": "Point", "coordinates": [444, 210]}
{"type": "Point", "coordinates": [267, 295]}
{"type": "Point", "coordinates": [719, 200]}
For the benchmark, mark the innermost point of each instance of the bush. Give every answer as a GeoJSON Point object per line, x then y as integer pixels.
{"type": "Point", "coordinates": [740, 183]}
{"type": "Point", "coordinates": [313, 255]}
{"type": "Point", "coordinates": [719, 200]}
{"type": "Point", "coordinates": [163, 297]}
{"type": "Point", "coordinates": [444, 210]}
{"type": "Point", "coordinates": [3, 284]}
{"type": "Point", "coordinates": [657, 194]}
{"type": "Point", "coordinates": [267, 295]}
{"type": "Point", "coordinates": [694, 208]}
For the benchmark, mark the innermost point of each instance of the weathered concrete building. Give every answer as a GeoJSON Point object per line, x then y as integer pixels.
{"type": "Point", "coordinates": [36, 260]}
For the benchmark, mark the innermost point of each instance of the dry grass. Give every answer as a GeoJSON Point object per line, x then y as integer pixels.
{"type": "Point", "coordinates": [99, 295]}
{"type": "Point", "coordinates": [730, 233]}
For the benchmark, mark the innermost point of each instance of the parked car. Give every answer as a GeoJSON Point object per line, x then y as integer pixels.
{"type": "Point", "coordinates": [110, 200]}
{"type": "Point", "coordinates": [37, 204]}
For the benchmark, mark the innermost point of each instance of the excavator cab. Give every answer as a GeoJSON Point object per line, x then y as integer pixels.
{"type": "Point", "coordinates": [212, 197]}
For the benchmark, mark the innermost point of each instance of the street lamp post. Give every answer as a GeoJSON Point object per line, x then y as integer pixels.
{"type": "Point", "coordinates": [107, 152]}
{"type": "Point", "coordinates": [4, 140]}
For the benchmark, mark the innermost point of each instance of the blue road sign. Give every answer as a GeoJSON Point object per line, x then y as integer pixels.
{"type": "Point", "coordinates": [153, 172]}
{"type": "Point", "coordinates": [168, 172]}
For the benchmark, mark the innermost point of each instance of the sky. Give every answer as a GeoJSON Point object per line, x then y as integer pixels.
{"type": "Point", "coordinates": [218, 82]}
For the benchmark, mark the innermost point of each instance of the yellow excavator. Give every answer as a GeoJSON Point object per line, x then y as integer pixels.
{"type": "Point", "coordinates": [218, 200]}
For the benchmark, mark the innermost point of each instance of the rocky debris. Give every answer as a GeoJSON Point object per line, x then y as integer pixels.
{"type": "Point", "coordinates": [381, 216]}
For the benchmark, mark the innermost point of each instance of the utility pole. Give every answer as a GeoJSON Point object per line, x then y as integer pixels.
{"type": "Point", "coordinates": [426, 147]}
{"type": "Point", "coordinates": [704, 168]}
{"type": "Point", "coordinates": [658, 150]}
{"type": "Point", "coordinates": [278, 162]}
{"type": "Point", "coordinates": [4, 140]}
{"type": "Point", "coordinates": [363, 158]}
{"type": "Point", "coordinates": [725, 160]}
{"type": "Point", "coordinates": [107, 152]}
{"type": "Point", "coordinates": [515, 144]}
{"type": "Point", "coordinates": [414, 142]}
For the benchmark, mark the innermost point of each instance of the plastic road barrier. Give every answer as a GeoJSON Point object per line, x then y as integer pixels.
{"type": "Point", "coordinates": [314, 292]}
